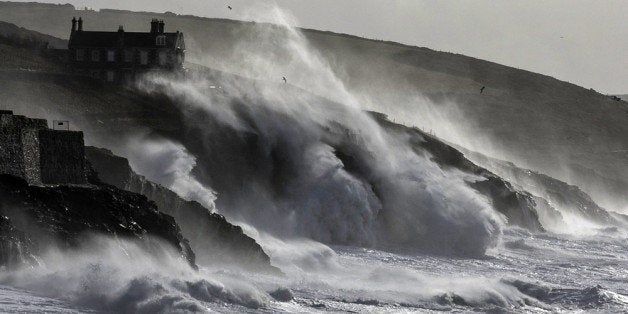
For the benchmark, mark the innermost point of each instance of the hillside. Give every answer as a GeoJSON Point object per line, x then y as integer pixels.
{"type": "Point", "coordinates": [27, 38]}
{"type": "Point", "coordinates": [569, 132]}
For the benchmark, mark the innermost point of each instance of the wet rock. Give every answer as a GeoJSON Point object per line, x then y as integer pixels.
{"type": "Point", "coordinates": [214, 240]}
{"type": "Point", "coordinates": [15, 246]}
{"type": "Point", "coordinates": [63, 215]}
{"type": "Point", "coordinates": [518, 207]}
{"type": "Point", "coordinates": [282, 295]}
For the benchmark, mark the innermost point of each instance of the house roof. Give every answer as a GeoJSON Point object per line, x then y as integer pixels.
{"type": "Point", "coordinates": [124, 39]}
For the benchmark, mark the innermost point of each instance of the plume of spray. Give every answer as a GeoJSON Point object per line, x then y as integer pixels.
{"type": "Point", "coordinates": [169, 164]}
{"type": "Point", "coordinates": [416, 204]}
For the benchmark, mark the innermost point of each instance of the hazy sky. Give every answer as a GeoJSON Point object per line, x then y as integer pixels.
{"type": "Point", "coordinates": [583, 42]}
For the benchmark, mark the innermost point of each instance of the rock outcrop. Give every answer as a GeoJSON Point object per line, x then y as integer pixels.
{"type": "Point", "coordinates": [569, 197]}
{"type": "Point", "coordinates": [64, 215]}
{"type": "Point", "coordinates": [214, 240]}
{"type": "Point", "coordinates": [517, 205]}
{"type": "Point", "coordinates": [15, 246]}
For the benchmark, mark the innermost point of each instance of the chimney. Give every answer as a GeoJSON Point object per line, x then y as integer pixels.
{"type": "Point", "coordinates": [154, 25]}
{"type": "Point", "coordinates": [162, 25]}
{"type": "Point", "coordinates": [73, 24]}
{"type": "Point", "coordinates": [80, 24]}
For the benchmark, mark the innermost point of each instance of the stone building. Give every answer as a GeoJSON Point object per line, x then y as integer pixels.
{"type": "Point", "coordinates": [120, 56]}
{"type": "Point", "coordinates": [39, 155]}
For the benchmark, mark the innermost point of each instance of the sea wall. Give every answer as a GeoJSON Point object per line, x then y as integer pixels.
{"type": "Point", "coordinates": [37, 154]}
{"type": "Point", "coordinates": [31, 156]}
{"type": "Point", "coordinates": [10, 152]}
{"type": "Point", "coordinates": [19, 145]}
{"type": "Point", "coordinates": [62, 157]}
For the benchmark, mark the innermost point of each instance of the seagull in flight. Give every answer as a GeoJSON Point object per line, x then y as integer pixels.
{"type": "Point", "coordinates": [482, 89]}
{"type": "Point", "coordinates": [284, 79]}
{"type": "Point", "coordinates": [229, 7]}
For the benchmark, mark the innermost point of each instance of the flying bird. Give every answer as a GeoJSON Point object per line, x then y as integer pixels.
{"type": "Point", "coordinates": [284, 79]}
{"type": "Point", "coordinates": [229, 7]}
{"type": "Point", "coordinates": [482, 89]}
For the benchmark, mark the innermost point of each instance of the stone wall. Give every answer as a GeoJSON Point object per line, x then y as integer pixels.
{"type": "Point", "coordinates": [37, 154]}
{"type": "Point", "coordinates": [14, 130]}
{"type": "Point", "coordinates": [10, 152]}
{"type": "Point", "coordinates": [22, 122]}
{"type": "Point", "coordinates": [30, 156]}
{"type": "Point", "coordinates": [62, 157]}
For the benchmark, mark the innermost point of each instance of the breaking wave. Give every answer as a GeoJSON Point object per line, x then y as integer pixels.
{"type": "Point", "coordinates": [121, 276]}
{"type": "Point", "coordinates": [299, 165]}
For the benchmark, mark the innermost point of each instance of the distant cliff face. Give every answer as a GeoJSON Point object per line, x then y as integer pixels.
{"type": "Point", "coordinates": [36, 217]}
{"type": "Point", "coordinates": [214, 240]}
{"type": "Point", "coordinates": [570, 198]}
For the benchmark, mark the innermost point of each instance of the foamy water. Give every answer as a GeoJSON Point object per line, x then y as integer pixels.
{"type": "Point", "coordinates": [525, 273]}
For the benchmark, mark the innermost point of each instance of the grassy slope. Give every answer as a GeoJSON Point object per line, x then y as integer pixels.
{"type": "Point", "coordinates": [9, 30]}
{"type": "Point", "coordinates": [543, 123]}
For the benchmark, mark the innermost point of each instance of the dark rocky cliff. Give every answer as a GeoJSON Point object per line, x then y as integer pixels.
{"type": "Point", "coordinates": [517, 205]}
{"type": "Point", "coordinates": [64, 215]}
{"type": "Point", "coordinates": [15, 246]}
{"type": "Point", "coordinates": [214, 240]}
{"type": "Point", "coordinates": [569, 197]}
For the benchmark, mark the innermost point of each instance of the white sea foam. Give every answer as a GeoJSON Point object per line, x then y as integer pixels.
{"type": "Point", "coordinates": [121, 276]}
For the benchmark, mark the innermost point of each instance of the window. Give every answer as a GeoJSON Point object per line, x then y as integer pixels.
{"type": "Point", "coordinates": [95, 55]}
{"type": "Point", "coordinates": [128, 56]}
{"type": "Point", "coordinates": [162, 58]}
{"type": "Point", "coordinates": [110, 76]}
{"type": "Point", "coordinates": [80, 54]}
{"type": "Point", "coordinates": [111, 56]}
{"type": "Point", "coordinates": [161, 40]}
{"type": "Point", "coordinates": [144, 57]}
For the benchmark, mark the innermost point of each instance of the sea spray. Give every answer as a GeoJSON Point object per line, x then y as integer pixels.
{"type": "Point", "coordinates": [298, 183]}
{"type": "Point", "coordinates": [121, 276]}
{"type": "Point", "coordinates": [170, 165]}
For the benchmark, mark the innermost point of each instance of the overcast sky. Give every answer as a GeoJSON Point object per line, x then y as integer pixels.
{"type": "Point", "coordinates": [583, 42]}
